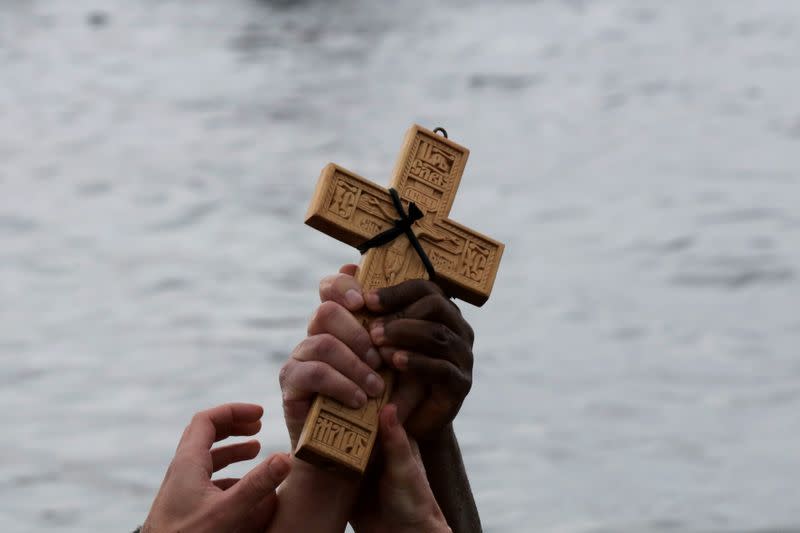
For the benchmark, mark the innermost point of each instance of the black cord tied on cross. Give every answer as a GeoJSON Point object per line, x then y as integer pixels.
{"type": "Point", "coordinates": [401, 226]}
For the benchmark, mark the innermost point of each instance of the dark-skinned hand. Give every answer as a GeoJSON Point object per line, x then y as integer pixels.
{"type": "Point", "coordinates": [421, 334]}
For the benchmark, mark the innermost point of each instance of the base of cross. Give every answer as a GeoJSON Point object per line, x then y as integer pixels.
{"type": "Point", "coordinates": [337, 437]}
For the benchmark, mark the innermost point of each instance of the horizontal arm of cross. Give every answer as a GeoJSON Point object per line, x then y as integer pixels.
{"type": "Point", "coordinates": [352, 209]}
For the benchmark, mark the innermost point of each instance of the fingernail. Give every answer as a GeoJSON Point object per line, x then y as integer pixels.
{"type": "Point", "coordinates": [278, 468]}
{"type": "Point", "coordinates": [353, 299]}
{"type": "Point", "coordinates": [373, 358]}
{"type": "Point", "coordinates": [377, 335]}
{"type": "Point", "coordinates": [359, 399]}
{"type": "Point", "coordinates": [374, 384]}
{"type": "Point", "coordinates": [372, 299]}
{"type": "Point", "coordinates": [400, 360]}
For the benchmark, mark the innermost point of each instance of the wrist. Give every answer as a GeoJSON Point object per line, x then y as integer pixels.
{"type": "Point", "coordinates": [314, 499]}
{"type": "Point", "coordinates": [323, 479]}
{"type": "Point", "coordinates": [437, 443]}
{"type": "Point", "coordinates": [332, 487]}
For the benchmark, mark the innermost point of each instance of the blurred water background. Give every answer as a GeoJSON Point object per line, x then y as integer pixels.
{"type": "Point", "coordinates": [636, 367]}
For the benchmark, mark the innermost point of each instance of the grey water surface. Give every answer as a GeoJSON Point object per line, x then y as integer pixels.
{"type": "Point", "coordinates": [637, 366]}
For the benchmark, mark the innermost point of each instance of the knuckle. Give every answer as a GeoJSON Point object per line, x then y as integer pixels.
{"type": "Point", "coordinates": [343, 282]}
{"type": "Point", "coordinates": [362, 340]}
{"type": "Point", "coordinates": [260, 483]}
{"type": "Point", "coordinates": [438, 304]}
{"type": "Point", "coordinates": [464, 376]}
{"type": "Point", "coordinates": [469, 362]}
{"type": "Point", "coordinates": [434, 307]}
{"type": "Point", "coordinates": [323, 345]}
{"type": "Point", "coordinates": [317, 372]}
{"type": "Point", "coordinates": [327, 311]}
{"type": "Point", "coordinates": [448, 372]}
{"type": "Point", "coordinates": [461, 381]}
{"type": "Point", "coordinates": [411, 288]}
{"type": "Point", "coordinates": [418, 284]}
{"type": "Point", "coordinates": [441, 335]}
{"type": "Point", "coordinates": [297, 351]}
{"type": "Point", "coordinates": [387, 295]}
{"type": "Point", "coordinates": [286, 396]}
{"type": "Point", "coordinates": [283, 375]}
{"type": "Point", "coordinates": [431, 287]}
{"type": "Point", "coordinates": [308, 348]}
{"type": "Point", "coordinates": [454, 382]}
{"type": "Point", "coordinates": [461, 353]}
{"type": "Point", "coordinates": [355, 371]}
{"type": "Point", "coordinates": [356, 368]}
{"type": "Point", "coordinates": [313, 321]}
{"type": "Point", "coordinates": [470, 333]}
{"type": "Point", "coordinates": [325, 285]}
{"type": "Point", "coordinates": [436, 300]}
{"type": "Point", "coordinates": [465, 385]}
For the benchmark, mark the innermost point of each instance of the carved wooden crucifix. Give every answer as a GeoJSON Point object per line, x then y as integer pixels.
{"type": "Point", "coordinates": [353, 210]}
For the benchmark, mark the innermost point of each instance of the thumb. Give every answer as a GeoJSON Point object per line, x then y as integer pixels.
{"type": "Point", "coordinates": [406, 484]}
{"type": "Point", "coordinates": [401, 465]}
{"type": "Point", "coordinates": [258, 484]}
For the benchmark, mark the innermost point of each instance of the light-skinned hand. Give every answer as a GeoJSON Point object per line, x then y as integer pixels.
{"type": "Point", "coordinates": [336, 359]}
{"type": "Point", "coordinates": [403, 502]}
{"type": "Point", "coordinates": [189, 500]}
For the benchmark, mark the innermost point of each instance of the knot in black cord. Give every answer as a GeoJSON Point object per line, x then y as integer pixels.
{"type": "Point", "coordinates": [401, 226]}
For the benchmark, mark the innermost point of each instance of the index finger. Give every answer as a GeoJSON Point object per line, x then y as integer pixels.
{"type": "Point", "coordinates": [350, 269]}
{"type": "Point", "coordinates": [399, 296]}
{"type": "Point", "coordinates": [218, 423]}
{"type": "Point", "coordinates": [342, 288]}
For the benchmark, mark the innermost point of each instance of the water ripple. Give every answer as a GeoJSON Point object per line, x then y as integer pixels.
{"type": "Point", "coordinates": [15, 224]}
{"type": "Point", "coordinates": [188, 217]}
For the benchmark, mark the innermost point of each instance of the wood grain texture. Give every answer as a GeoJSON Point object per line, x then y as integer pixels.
{"type": "Point", "coordinates": [352, 209]}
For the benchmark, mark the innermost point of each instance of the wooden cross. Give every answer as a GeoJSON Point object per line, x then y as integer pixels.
{"type": "Point", "coordinates": [353, 210]}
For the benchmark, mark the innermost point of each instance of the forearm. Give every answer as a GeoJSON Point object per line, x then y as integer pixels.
{"type": "Point", "coordinates": [312, 499]}
{"type": "Point", "coordinates": [449, 483]}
